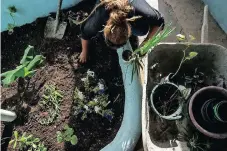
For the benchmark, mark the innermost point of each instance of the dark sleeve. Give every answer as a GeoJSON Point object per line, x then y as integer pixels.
{"type": "Point", "coordinates": [149, 14]}
{"type": "Point", "coordinates": [94, 24]}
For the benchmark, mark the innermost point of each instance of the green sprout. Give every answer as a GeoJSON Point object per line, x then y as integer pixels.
{"type": "Point", "coordinates": [191, 54]}
{"type": "Point", "coordinates": [26, 68]}
{"type": "Point", "coordinates": [67, 136]}
{"type": "Point", "coordinates": [51, 100]}
{"type": "Point", "coordinates": [28, 142]}
{"type": "Point", "coordinates": [10, 26]}
{"type": "Point", "coordinates": [12, 9]}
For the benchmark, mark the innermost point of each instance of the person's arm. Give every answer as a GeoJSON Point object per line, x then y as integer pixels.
{"type": "Point", "coordinates": [90, 28]}
{"type": "Point", "coordinates": [150, 16]}
{"type": "Point", "coordinates": [151, 33]}
{"type": "Point", "coordinates": [83, 54]}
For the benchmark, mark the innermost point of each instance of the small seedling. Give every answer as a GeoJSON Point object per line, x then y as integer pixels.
{"type": "Point", "coordinates": [26, 142]}
{"type": "Point", "coordinates": [26, 68]}
{"type": "Point", "coordinates": [67, 135]}
{"type": "Point", "coordinates": [50, 103]}
{"type": "Point", "coordinates": [191, 54]}
{"type": "Point", "coordinates": [12, 11]}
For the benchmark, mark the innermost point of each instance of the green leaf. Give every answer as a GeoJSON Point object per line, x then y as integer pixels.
{"type": "Point", "coordinates": [58, 94]}
{"type": "Point", "coordinates": [15, 145]}
{"type": "Point", "coordinates": [24, 60]}
{"type": "Point", "coordinates": [69, 132]}
{"type": "Point", "coordinates": [36, 61]}
{"type": "Point", "coordinates": [59, 139]}
{"type": "Point", "coordinates": [180, 37]}
{"type": "Point", "coordinates": [36, 140]}
{"type": "Point", "coordinates": [30, 136]}
{"type": "Point", "coordinates": [34, 145]}
{"type": "Point", "coordinates": [12, 75]}
{"type": "Point", "coordinates": [66, 126]}
{"type": "Point", "coordinates": [74, 140]}
{"type": "Point", "coordinates": [151, 43]}
{"type": "Point", "coordinates": [11, 141]}
{"type": "Point", "coordinates": [15, 134]}
{"type": "Point", "coordinates": [191, 55]}
{"type": "Point", "coordinates": [92, 103]}
{"type": "Point", "coordinates": [24, 134]}
{"type": "Point", "coordinates": [59, 133]}
{"type": "Point", "coordinates": [23, 139]}
{"type": "Point", "coordinates": [28, 73]}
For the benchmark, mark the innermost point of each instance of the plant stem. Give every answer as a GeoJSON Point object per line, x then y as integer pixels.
{"type": "Point", "coordinates": [182, 60]}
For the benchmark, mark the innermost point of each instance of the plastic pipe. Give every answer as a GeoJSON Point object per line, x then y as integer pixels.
{"type": "Point", "coordinates": [7, 116]}
{"type": "Point", "coordinates": [130, 130]}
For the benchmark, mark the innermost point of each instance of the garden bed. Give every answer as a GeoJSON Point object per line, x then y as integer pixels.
{"type": "Point", "coordinates": [59, 70]}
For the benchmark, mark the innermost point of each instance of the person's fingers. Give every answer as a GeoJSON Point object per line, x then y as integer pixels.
{"type": "Point", "coordinates": [82, 59]}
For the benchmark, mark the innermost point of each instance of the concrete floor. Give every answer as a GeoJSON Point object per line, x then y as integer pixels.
{"type": "Point", "coordinates": [187, 16]}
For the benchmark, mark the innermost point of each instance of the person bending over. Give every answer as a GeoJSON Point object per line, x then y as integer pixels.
{"type": "Point", "coordinates": [118, 20]}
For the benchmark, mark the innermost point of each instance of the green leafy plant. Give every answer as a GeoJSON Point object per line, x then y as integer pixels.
{"type": "Point", "coordinates": [28, 142]}
{"type": "Point", "coordinates": [67, 135]}
{"type": "Point", "coordinates": [50, 104]}
{"type": "Point", "coordinates": [26, 68]}
{"type": "Point", "coordinates": [12, 11]}
{"type": "Point", "coordinates": [138, 54]}
{"type": "Point", "coordinates": [96, 103]}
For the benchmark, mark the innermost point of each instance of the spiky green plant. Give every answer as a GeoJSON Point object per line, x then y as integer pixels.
{"type": "Point", "coordinates": [138, 54]}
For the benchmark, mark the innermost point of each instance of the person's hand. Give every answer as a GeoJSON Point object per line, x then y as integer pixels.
{"type": "Point", "coordinates": [83, 57]}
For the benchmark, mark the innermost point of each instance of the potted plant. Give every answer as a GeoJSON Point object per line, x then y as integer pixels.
{"type": "Point", "coordinates": [167, 101]}
{"type": "Point", "coordinates": [207, 111]}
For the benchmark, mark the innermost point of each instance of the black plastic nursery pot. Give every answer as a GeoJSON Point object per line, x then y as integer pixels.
{"type": "Point", "coordinates": [166, 101]}
{"type": "Point", "coordinates": [208, 111]}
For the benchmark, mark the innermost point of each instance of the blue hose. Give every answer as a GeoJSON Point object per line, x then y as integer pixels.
{"type": "Point", "coordinates": [130, 130]}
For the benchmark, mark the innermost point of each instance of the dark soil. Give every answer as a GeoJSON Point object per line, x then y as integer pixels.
{"type": "Point", "coordinates": [94, 132]}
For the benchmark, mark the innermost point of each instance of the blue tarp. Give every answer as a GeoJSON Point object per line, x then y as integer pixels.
{"type": "Point", "coordinates": [29, 10]}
